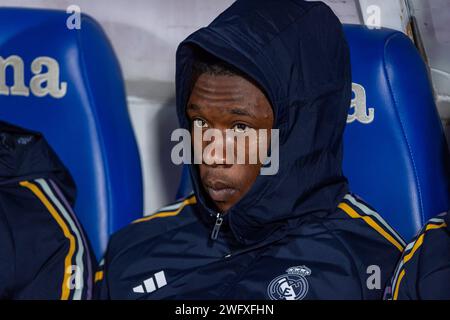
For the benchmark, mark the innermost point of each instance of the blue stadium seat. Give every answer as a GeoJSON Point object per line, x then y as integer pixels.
{"type": "Point", "coordinates": [67, 84]}
{"type": "Point", "coordinates": [395, 154]}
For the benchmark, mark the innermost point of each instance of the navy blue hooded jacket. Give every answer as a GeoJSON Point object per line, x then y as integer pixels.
{"type": "Point", "coordinates": [44, 253]}
{"type": "Point", "coordinates": [298, 234]}
{"type": "Point", "coordinates": [424, 269]}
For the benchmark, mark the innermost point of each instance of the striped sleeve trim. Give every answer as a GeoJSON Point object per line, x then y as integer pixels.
{"type": "Point", "coordinates": [74, 262]}
{"type": "Point", "coordinates": [410, 252]}
{"type": "Point", "coordinates": [357, 209]}
{"type": "Point", "coordinates": [99, 275]}
{"type": "Point", "coordinates": [169, 211]}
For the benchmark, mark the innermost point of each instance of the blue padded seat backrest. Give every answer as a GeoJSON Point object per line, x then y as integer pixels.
{"type": "Point", "coordinates": [71, 89]}
{"type": "Point", "coordinates": [395, 153]}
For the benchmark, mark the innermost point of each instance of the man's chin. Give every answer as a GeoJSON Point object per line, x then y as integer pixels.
{"type": "Point", "coordinates": [223, 208]}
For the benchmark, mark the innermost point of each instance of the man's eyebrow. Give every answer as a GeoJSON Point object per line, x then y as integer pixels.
{"type": "Point", "coordinates": [193, 107]}
{"type": "Point", "coordinates": [242, 112]}
{"type": "Point", "coordinates": [235, 111]}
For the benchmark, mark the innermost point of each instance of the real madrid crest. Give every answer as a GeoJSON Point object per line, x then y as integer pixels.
{"type": "Point", "coordinates": [290, 286]}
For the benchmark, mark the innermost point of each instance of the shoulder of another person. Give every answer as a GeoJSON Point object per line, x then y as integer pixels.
{"type": "Point", "coordinates": [152, 226]}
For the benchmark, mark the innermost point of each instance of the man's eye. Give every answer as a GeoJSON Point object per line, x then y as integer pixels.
{"type": "Point", "coordinates": [199, 123]}
{"type": "Point", "coordinates": [240, 127]}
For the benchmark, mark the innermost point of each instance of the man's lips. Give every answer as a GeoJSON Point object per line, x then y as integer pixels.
{"type": "Point", "coordinates": [219, 191]}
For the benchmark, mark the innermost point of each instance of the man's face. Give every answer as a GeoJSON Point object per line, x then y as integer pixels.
{"type": "Point", "coordinates": [228, 102]}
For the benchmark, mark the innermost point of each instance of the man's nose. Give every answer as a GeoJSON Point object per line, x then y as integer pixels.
{"type": "Point", "coordinates": [215, 150]}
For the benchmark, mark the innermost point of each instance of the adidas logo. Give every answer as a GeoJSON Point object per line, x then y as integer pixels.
{"type": "Point", "coordinates": [149, 285]}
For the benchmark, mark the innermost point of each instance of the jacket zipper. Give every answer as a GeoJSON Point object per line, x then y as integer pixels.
{"type": "Point", "coordinates": [217, 225]}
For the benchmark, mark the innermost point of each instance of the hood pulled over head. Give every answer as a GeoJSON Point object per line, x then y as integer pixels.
{"type": "Point", "coordinates": [296, 52]}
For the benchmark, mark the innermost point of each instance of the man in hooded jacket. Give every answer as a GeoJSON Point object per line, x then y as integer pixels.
{"type": "Point", "coordinates": [44, 254]}
{"type": "Point", "coordinates": [297, 234]}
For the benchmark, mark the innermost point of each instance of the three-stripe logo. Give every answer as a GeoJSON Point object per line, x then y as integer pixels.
{"type": "Point", "coordinates": [158, 280]}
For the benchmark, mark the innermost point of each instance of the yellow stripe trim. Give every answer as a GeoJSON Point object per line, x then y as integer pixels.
{"type": "Point", "coordinates": [397, 287]}
{"type": "Point", "coordinates": [409, 256]}
{"type": "Point", "coordinates": [188, 201]}
{"type": "Point", "coordinates": [355, 215]}
{"type": "Point", "coordinates": [420, 240]}
{"type": "Point", "coordinates": [98, 276]}
{"type": "Point", "coordinates": [68, 260]}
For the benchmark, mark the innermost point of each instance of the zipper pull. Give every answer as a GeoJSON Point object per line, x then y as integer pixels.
{"type": "Point", "coordinates": [216, 229]}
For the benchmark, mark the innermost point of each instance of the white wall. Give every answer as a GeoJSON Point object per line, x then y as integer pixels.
{"type": "Point", "coordinates": [433, 19]}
